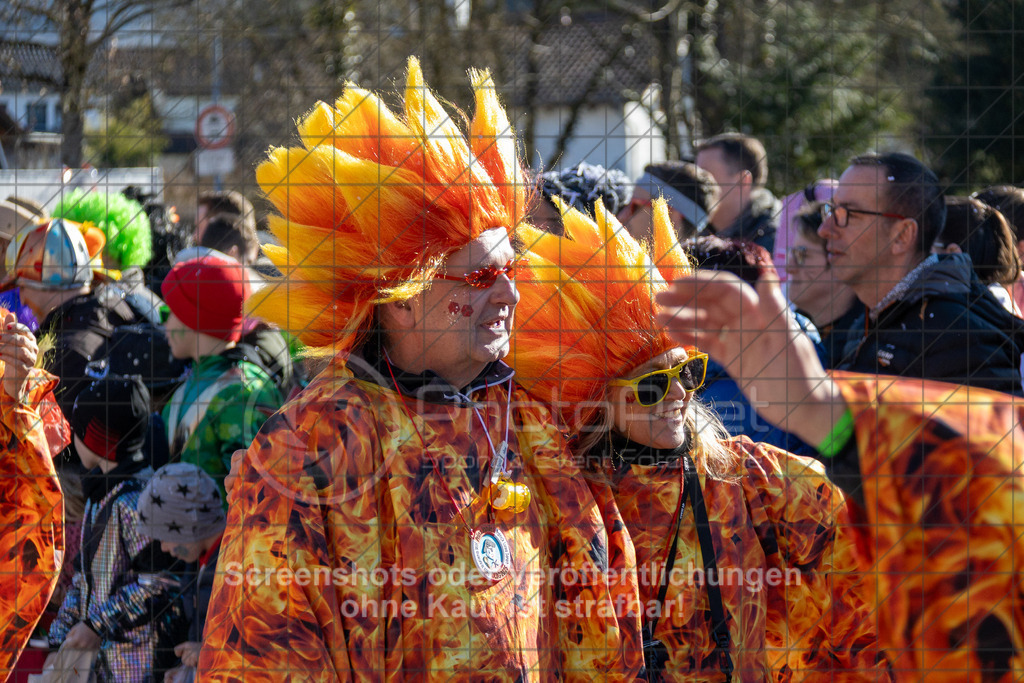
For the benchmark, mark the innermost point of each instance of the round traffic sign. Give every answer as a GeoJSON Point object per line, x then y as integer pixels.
{"type": "Point", "coordinates": [215, 127]}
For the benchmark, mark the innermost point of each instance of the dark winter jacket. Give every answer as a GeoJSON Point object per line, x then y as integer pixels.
{"type": "Point", "coordinates": [759, 223]}
{"type": "Point", "coordinates": [836, 334]}
{"type": "Point", "coordinates": [80, 329]}
{"type": "Point", "coordinates": [942, 324]}
{"type": "Point", "coordinates": [196, 589]}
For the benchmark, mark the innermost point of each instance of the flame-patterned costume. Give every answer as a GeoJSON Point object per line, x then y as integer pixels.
{"type": "Point", "coordinates": [31, 512]}
{"type": "Point", "coordinates": [793, 603]}
{"type": "Point", "coordinates": [346, 555]}
{"type": "Point", "coordinates": [939, 469]}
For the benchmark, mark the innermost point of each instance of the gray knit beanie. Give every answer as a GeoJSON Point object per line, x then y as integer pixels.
{"type": "Point", "coordinates": [181, 503]}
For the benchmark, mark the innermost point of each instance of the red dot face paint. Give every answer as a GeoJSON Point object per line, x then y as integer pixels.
{"type": "Point", "coordinates": [467, 311]}
{"type": "Point", "coordinates": [453, 307]}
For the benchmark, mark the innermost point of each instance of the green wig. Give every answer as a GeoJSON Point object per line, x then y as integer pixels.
{"type": "Point", "coordinates": [122, 220]}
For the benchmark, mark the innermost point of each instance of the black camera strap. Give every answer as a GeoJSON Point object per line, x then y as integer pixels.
{"type": "Point", "coordinates": [719, 624]}
{"type": "Point", "coordinates": [670, 562]}
{"type": "Point", "coordinates": [719, 627]}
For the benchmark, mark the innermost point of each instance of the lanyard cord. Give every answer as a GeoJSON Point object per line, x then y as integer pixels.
{"type": "Point", "coordinates": [499, 457]}
{"type": "Point", "coordinates": [719, 623]}
{"type": "Point", "coordinates": [495, 465]}
{"type": "Point", "coordinates": [670, 553]}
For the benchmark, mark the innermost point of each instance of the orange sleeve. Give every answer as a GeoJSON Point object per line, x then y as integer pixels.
{"type": "Point", "coordinates": [599, 609]}
{"type": "Point", "coordinates": [31, 516]}
{"type": "Point", "coordinates": [820, 626]}
{"type": "Point", "coordinates": [943, 542]}
{"type": "Point", "coordinates": [280, 597]}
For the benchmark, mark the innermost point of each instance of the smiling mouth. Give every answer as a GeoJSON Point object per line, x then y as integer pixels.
{"type": "Point", "coordinates": [675, 411]}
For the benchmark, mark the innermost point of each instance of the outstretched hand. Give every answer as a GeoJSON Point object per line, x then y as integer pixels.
{"type": "Point", "coordinates": [18, 351]}
{"type": "Point", "coordinates": [751, 332]}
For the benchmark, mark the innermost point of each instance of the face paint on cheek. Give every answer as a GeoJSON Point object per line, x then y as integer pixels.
{"type": "Point", "coordinates": [453, 307]}
{"type": "Point", "coordinates": [467, 311]}
{"type": "Point", "coordinates": [180, 551]}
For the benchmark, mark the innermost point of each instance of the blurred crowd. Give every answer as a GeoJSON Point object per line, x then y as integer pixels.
{"type": "Point", "coordinates": [164, 376]}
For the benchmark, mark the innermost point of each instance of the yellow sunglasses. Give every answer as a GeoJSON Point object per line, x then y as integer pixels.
{"type": "Point", "coordinates": [651, 389]}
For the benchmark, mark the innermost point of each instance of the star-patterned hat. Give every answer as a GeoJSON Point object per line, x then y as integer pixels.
{"type": "Point", "coordinates": [181, 503]}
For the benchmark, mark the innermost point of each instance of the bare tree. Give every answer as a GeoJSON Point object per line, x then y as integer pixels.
{"type": "Point", "coordinates": [79, 30]}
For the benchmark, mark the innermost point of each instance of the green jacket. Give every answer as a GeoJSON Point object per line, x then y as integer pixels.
{"type": "Point", "coordinates": [218, 410]}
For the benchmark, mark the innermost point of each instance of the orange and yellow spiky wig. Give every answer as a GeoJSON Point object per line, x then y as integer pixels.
{"type": "Point", "coordinates": [373, 201]}
{"type": "Point", "coordinates": [586, 313]}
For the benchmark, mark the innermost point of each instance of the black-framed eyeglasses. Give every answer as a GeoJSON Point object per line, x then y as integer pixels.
{"type": "Point", "coordinates": [484, 278]}
{"type": "Point", "coordinates": [841, 214]}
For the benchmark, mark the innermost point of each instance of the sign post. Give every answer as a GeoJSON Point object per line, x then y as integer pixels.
{"type": "Point", "coordinates": [215, 129]}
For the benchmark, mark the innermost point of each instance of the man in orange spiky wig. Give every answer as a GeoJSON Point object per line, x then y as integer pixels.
{"type": "Point", "coordinates": [766, 524]}
{"type": "Point", "coordinates": [411, 513]}
{"type": "Point", "coordinates": [936, 470]}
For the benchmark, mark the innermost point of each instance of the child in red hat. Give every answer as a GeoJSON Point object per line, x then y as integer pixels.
{"type": "Point", "coordinates": [229, 395]}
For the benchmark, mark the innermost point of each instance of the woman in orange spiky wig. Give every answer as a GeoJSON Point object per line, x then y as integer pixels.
{"type": "Point", "coordinates": [744, 561]}
{"type": "Point", "coordinates": [411, 513]}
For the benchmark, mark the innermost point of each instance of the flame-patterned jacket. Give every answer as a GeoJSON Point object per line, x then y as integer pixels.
{"type": "Point", "coordinates": [786, 563]}
{"type": "Point", "coordinates": [31, 513]}
{"type": "Point", "coordinates": [938, 468]}
{"type": "Point", "coordinates": [345, 558]}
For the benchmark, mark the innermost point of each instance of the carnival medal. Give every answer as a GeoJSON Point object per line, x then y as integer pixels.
{"type": "Point", "coordinates": [491, 552]}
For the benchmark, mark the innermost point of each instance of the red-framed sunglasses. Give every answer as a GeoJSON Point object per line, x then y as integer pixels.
{"type": "Point", "coordinates": [484, 278]}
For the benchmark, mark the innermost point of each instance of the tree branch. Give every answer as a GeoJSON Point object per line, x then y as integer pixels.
{"type": "Point", "coordinates": [646, 17]}
{"type": "Point", "coordinates": [610, 57]}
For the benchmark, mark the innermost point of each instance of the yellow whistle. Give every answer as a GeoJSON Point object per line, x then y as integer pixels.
{"type": "Point", "coordinates": [507, 495]}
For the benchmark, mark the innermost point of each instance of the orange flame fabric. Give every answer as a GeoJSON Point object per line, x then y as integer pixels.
{"type": "Point", "coordinates": [788, 567]}
{"type": "Point", "coordinates": [586, 312]}
{"type": "Point", "coordinates": [336, 489]}
{"type": "Point", "coordinates": [31, 513]}
{"type": "Point", "coordinates": [373, 200]}
{"type": "Point", "coordinates": [941, 472]}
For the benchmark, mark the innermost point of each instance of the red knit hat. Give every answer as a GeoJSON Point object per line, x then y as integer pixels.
{"type": "Point", "coordinates": [207, 295]}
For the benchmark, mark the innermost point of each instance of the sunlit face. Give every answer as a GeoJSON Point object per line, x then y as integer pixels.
{"type": "Point", "coordinates": [180, 338]}
{"type": "Point", "coordinates": [730, 183]}
{"type": "Point", "coordinates": [659, 426]}
{"type": "Point", "coordinates": [811, 279]}
{"type": "Point", "coordinates": [858, 249]}
{"type": "Point", "coordinates": [460, 325]}
{"type": "Point", "coordinates": [638, 216]}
